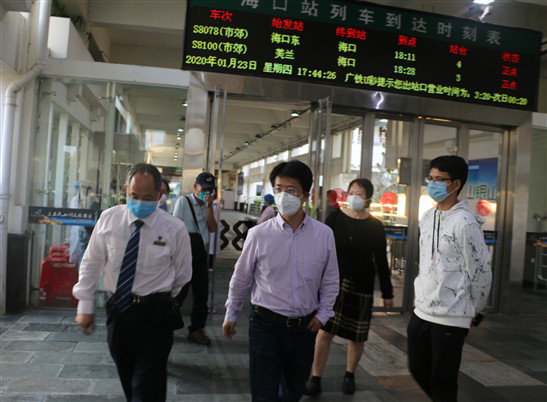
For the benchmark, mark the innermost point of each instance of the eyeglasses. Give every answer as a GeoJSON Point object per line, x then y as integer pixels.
{"type": "Point", "coordinates": [429, 179]}
{"type": "Point", "coordinates": [291, 191]}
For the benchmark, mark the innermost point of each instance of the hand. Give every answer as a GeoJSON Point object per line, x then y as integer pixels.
{"type": "Point", "coordinates": [228, 329]}
{"type": "Point", "coordinates": [87, 322]}
{"type": "Point", "coordinates": [209, 199]}
{"type": "Point", "coordinates": [388, 304]}
{"type": "Point", "coordinates": [315, 325]}
{"type": "Point", "coordinates": [477, 320]}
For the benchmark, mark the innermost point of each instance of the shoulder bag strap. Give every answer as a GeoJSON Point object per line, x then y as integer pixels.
{"type": "Point", "coordinates": [193, 212]}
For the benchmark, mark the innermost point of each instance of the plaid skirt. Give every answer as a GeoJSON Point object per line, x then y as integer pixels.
{"type": "Point", "coordinates": [353, 312]}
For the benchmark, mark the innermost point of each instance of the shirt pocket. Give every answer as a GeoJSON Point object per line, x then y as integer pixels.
{"type": "Point", "coordinates": [312, 270]}
{"type": "Point", "coordinates": [116, 252]}
{"type": "Point", "coordinates": [155, 255]}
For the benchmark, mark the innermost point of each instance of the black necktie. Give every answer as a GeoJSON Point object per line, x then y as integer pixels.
{"type": "Point", "coordinates": [122, 297]}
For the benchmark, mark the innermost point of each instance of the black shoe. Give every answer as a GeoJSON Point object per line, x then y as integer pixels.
{"type": "Point", "coordinates": [313, 388]}
{"type": "Point", "coordinates": [349, 385]}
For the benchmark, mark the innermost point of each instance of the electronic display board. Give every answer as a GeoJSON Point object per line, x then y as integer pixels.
{"type": "Point", "coordinates": [364, 45]}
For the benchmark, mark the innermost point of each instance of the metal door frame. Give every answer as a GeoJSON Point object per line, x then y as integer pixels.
{"type": "Point", "coordinates": [417, 143]}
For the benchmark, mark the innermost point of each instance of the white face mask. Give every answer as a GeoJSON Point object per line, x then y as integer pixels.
{"type": "Point", "coordinates": [287, 204]}
{"type": "Point", "coordinates": [356, 203]}
{"type": "Point", "coordinates": [163, 199]}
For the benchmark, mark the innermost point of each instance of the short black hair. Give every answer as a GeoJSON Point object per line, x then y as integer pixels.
{"type": "Point", "coordinates": [454, 165]}
{"type": "Point", "coordinates": [145, 168]}
{"type": "Point", "coordinates": [167, 185]}
{"type": "Point", "coordinates": [364, 184]}
{"type": "Point", "coordinates": [295, 170]}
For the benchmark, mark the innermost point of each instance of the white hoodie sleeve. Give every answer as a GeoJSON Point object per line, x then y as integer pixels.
{"type": "Point", "coordinates": [477, 261]}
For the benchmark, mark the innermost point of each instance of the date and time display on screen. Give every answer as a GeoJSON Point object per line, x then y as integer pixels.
{"type": "Point", "coordinates": [362, 45]}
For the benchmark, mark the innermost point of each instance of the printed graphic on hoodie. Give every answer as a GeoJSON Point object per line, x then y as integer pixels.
{"type": "Point", "coordinates": [455, 275]}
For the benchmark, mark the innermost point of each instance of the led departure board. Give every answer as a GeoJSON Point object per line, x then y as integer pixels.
{"type": "Point", "coordinates": [364, 45]}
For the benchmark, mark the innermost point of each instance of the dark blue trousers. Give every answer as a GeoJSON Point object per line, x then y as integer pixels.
{"type": "Point", "coordinates": [280, 359]}
{"type": "Point", "coordinates": [140, 340]}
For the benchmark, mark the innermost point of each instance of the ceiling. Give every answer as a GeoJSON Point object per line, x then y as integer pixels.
{"type": "Point", "coordinates": [151, 33]}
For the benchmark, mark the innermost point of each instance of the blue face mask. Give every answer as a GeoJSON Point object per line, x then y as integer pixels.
{"type": "Point", "coordinates": [141, 209]}
{"type": "Point", "coordinates": [437, 190]}
{"type": "Point", "coordinates": [202, 195]}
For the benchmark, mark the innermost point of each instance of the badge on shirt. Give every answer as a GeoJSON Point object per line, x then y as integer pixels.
{"type": "Point", "coordinates": [159, 242]}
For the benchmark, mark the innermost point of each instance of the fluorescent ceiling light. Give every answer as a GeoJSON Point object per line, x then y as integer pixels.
{"type": "Point", "coordinates": [483, 2]}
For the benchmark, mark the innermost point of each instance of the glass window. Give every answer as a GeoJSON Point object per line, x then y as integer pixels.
{"type": "Point", "coordinates": [535, 261]}
{"type": "Point", "coordinates": [482, 189]}
{"type": "Point", "coordinates": [283, 156]}
{"type": "Point", "coordinates": [302, 150]}
{"type": "Point", "coordinates": [271, 159]}
{"type": "Point", "coordinates": [355, 161]}
{"type": "Point", "coordinates": [88, 136]}
{"type": "Point", "coordinates": [336, 146]}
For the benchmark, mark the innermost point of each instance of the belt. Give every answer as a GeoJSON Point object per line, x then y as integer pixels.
{"type": "Point", "coordinates": [291, 322]}
{"type": "Point", "coordinates": [164, 297]}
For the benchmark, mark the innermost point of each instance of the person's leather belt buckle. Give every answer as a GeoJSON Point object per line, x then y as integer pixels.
{"type": "Point", "coordinates": [289, 322]}
{"type": "Point", "coordinates": [138, 299]}
{"type": "Point", "coordinates": [154, 297]}
{"type": "Point", "coordinates": [294, 322]}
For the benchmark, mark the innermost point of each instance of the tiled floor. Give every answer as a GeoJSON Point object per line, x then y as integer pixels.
{"type": "Point", "coordinates": [45, 357]}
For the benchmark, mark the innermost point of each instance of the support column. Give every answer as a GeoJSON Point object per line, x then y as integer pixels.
{"type": "Point", "coordinates": [367, 145]}
{"type": "Point", "coordinates": [74, 158]}
{"type": "Point", "coordinates": [513, 243]}
{"type": "Point", "coordinates": [195, 135]}
{"type": "Point", "coordinates": [413, 201]}
{"type": "Point", "coordinates": [60, 163]}
{"type": "Point", "coordinates": [108, 146]}
{"type": "Point", "coordinates": [60, 174]}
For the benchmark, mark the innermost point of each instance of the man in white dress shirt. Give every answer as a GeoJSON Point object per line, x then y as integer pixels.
{"type": "Point", "coordinates": [140, 318]}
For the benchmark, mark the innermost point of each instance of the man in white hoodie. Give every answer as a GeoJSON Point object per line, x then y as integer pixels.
{"type": "Point", "coordinates": [453, 284]}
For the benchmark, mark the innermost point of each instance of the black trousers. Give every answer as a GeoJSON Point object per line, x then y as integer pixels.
{"type": "Point", "coordinates": [434, 357]}
{"type": "Point", "coordinates": [199, 283]}
{"type": "Point", "coordinates": [140, 340]}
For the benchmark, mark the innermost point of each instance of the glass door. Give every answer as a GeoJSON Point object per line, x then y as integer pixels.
{"type": "Point", "coordinates": [390, 168]}
{"type": "Point", "coordinates": [484, 189]}
{"type": "Point", "coordinates": [394, 152]}
{"type": "Point", "coordinates": [378, 148]}
{"type": "Point", "coordinates": [438, 140]}
{"type": "Point", "coordinates": [483, 149]}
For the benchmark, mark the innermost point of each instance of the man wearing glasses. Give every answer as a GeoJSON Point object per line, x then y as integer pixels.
{"type": "Point", "coordinates": [292, 260]}
{"type": "Point", "coordinates": [453, 284]}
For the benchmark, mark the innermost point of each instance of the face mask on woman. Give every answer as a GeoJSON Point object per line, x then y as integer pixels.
{"type": "Point", "coordinates": [287, 204]}
{"type": "Point", "coordinates": [141, 209]}
{"type": "Point", "coordinates": [163, 199]}
{"type": "Point", "coordinates": [356, 203]}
